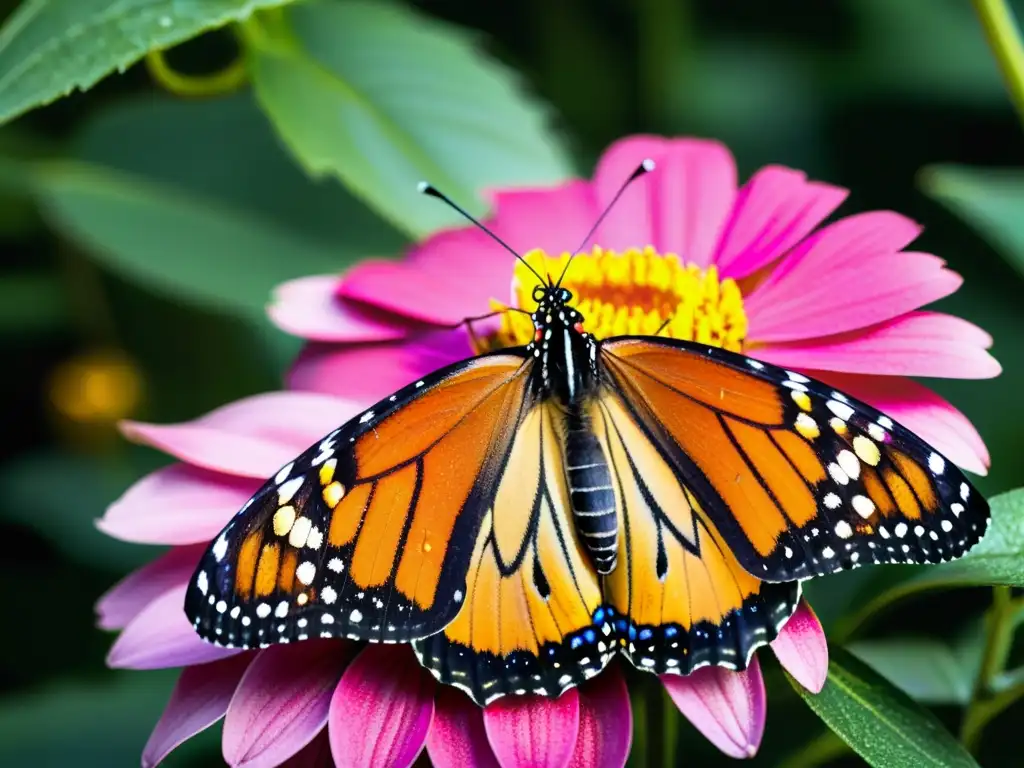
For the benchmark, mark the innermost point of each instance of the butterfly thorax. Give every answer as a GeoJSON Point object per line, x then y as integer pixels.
{"type": "Point", "coordinates": [566, 353]}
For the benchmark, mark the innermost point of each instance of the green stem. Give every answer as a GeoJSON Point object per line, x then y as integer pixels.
{"type": "Point", "coordinates": [229, 79]}
{"type": "Point", "coordinates": [1005, 41]}
{"type": "Point", "coordinates": [983, 706]}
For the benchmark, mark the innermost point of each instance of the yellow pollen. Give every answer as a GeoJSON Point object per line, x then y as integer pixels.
{"type": "Point", "coordinates": [633, 292]}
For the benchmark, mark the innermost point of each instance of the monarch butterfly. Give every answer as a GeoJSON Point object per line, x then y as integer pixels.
{"type": "Point", "coordinates": [526, 515]}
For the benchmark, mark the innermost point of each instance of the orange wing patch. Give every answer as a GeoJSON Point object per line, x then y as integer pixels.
{"type": "Point", "coordinates": [356, 536]}
{"type": "Point", "coordinates": [681, 597]}
{"type": "Point", "coordinates": [531, 594]}
{"type": "Point", "coordinates": [797, 479]}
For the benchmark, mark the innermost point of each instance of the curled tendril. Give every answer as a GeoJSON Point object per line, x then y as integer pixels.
{"type": "Point", "coordinates": [226, 80]}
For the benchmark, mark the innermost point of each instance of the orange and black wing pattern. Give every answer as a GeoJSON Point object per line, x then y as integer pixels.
{"type": "Point", "coordinates": [797, 479]}
{"type": "Point", "coordinates": [533, 620]}
{"type": "Point", "coordinates": [368, 534]}
{"type": "Point", "coordinates": [678, 598]}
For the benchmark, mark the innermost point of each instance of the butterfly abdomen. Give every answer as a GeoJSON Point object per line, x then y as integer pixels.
{"type": "Point", "coordinates": [591, 494]}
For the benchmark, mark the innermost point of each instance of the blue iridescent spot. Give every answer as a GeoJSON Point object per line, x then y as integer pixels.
{"type": "Point", "coordinates": [621, 624]}
{"type": "Point", "coordinates": [589, 634]}
{"type": "Point", "coordinates": [753, 609]}
{"type": "Point", "coordinates": [645, 634]}
{"type": "Point", "coordinates": [599, 615]}
{"type": "Point", "coordinates": [632, 633]}
{"type": "Point", "coordinates": [576, 642]}
{"type": "Point", "coordinates": [670, 631]}
{"type": "Point", "coordinates": [551, 651]}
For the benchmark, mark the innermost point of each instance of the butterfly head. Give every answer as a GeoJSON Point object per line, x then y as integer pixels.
{"type": "Point", "coordinates": [566, 352]}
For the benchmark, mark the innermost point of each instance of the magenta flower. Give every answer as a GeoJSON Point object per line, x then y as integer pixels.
{"type": "Point", "coordinates": [363, 705]}
{"type": "Point", "coordinates": [753, 269]}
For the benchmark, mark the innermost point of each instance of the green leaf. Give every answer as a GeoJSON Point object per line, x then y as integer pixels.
{"type": "Point", "coordinates": [927, 670]}
{"type": "Point", "coordinates": [64, 512]}
{"type": "Point", "coordinates": [383, 97]}
{"type": "Point", "coordinates": [880, 722]}
{"type": "Point", "coordinates": [997, 559]}
{"type": "Point", "coordinates": [197, 200]}
{"type": "Point", "coordinates": [84, 723]}
{"type": "Point", "coordinates": [48, 48]}
{"type": "Point", "coordinates": [989, 199]}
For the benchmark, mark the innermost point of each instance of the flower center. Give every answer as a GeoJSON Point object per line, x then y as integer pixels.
{"type": "Point", "coordinates": [635, 292]}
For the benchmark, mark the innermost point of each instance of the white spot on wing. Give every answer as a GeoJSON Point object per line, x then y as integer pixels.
{"type": "Point", "coordinates": [220, 547]}
{"type": "Point", "coordinates": [306, 572]}
{"type": "Point", "coordinates": [285, 472]}
{"type": "Point", "coordinates": [842, 410]}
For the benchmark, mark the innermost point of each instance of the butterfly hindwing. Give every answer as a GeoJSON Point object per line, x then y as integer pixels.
{"type": "Point", "coordinates": [532, 621]}
{"type": "Point", "coordinates": [364, 534]}
{"type": "Point", "coordinates": [800, 480]}
{"type": "Point", "coordinates": [680, 599]}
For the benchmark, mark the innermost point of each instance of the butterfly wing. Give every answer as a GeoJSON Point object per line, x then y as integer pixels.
{"type": "Point", "coordinates": [798, 479]}
{"type": "Point", "coordinates": [365, 534]}
{"type": "Point", "coordinates": [678, 597]}
{"type": "Point", "coordinates": [533, 620]}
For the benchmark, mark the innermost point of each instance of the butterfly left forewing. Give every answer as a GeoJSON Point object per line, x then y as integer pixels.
{"type": "Point", "coordinates": [800, 480]}
{"type": "Point", "coordinates": [362, 535]}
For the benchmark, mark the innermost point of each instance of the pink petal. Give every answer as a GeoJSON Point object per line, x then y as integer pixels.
{"type": "Point", "coordinates": [176, 505]}
{"type": "Point", "coordinates": [916, 344]}
{"type": "Point", "coordinates": [606, 723]}
{"type": "Point", "coordinates": [382, 709]}
{"type": "Point", "coordinates": [532, 731]}
{"type": "Point", "coordinates": [370, 372]}
{"type": "Point", "coordinates": [310, 308]}
{"type": "Point", "coordinates": [457, 738]}
{"type": "Point", "coordinates": [847, 242]}
{"type": "Point", "coordinates": [554, 219]}
{"type": "Point", "coordinates": [849, 275]}
{"type": "Point", "coordinates": [727, 707]}
{"type": "Point", "coordinates": [451, 276]}
{"type": "Point", "coordinates": [200, 698]}
{"type": "Point", "coordinates": [775, 210]}
{"type": "Point", "coordinates": [316, 754]}
{"type": "Point", "coordinates": [161, 636]}
{"type": "Point", "coordinates": [802, 649]}
{"type": "Point", "coordinates": [253, 437]}
{"type": "Point", "coordinates": [282, 701]}
{"type": "Point", "coordinates": [921, 411]}
{"type": "Point", "coordinates": [681, 207]}
{"type": "Point", "coordinates": [848, 298]}
{"type": "Point", "coordinates": [123, 602]}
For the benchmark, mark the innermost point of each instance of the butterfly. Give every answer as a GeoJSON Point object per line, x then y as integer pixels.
{"type": "Point", "coordinates": [526, 515]}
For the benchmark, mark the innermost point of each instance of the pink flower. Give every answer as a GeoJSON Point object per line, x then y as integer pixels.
{"type": "Point", "coordinates": [757, 271]}
{"type": "Point", "coordinates": [365, 705]}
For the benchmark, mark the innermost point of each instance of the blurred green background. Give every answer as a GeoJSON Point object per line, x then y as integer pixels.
{"type": "Point", "coordinates": [142, 232]}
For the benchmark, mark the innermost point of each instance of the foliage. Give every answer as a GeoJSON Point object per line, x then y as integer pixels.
{"type": "Point", "coordinates": [140, 221]}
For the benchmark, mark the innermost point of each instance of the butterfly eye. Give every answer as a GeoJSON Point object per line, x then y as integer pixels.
{"type": "Point", "coordinates": [538, 292]}
{"type": "Point", "coordinates": [566, 295]}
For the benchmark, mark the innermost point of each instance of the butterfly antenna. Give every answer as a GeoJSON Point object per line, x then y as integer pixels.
{"type": "Point", "coordinates": [432, 191]}
{"type": "Point", "coordinates": [645, 167]}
